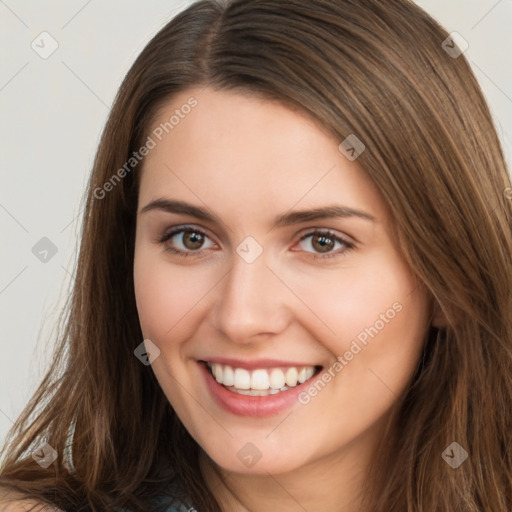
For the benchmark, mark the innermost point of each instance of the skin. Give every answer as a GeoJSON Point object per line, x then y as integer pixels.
{"type": "Point", "coordinates": [248, 160]}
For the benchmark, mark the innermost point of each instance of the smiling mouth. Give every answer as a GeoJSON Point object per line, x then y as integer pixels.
{"type": "Point", "coordinates": [262, 381]}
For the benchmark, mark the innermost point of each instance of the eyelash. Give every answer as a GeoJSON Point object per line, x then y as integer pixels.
{"type": "Point", "coordinates": [184, 229]}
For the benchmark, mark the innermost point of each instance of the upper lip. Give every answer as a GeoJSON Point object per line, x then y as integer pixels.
{"type": "Point", "coordinates": [254, 364]}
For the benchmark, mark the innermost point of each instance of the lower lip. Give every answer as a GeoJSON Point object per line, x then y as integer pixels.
{"type": "Point", "coordinates": [254, 406]}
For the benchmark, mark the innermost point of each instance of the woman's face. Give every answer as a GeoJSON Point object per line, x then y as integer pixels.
{"type": "Point", "coordinates": [268, 296]}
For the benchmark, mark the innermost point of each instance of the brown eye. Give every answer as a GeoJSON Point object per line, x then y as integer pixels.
{"type": "Point", "coordinates": [184, 241]}
{"type": "Point", "coordinates": [323, 243]}
{"type": "Point", "coordinates": [192, 240]}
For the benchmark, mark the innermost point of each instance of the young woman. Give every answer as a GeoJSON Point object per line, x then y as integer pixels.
{"type": "Point", "coordinates": [294, 283]}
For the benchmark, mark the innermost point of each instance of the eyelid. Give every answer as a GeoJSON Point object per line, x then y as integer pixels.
{"type": "Point", "coordinates": [168, 232]}
{"type": "Point", "coordinates": [328, 231]}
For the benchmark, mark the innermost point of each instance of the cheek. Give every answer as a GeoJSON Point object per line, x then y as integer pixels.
{"type": "Point", "coordinates": [346, 301]}
{"type": "Point", "coordinates": [375, 317]}
{"type": "Point", "coordinates": [380, 320]}
{"type": "Point", "coordinates": [154, 305]}
{"type": "Point", "coordinates": [168, 297]}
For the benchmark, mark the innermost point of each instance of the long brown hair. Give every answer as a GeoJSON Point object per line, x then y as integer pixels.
{"type": "Point", "coordinates": [375, 69]}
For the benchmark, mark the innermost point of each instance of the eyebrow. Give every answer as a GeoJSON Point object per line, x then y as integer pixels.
{"type": "Point", "coordinates": [285, 219]}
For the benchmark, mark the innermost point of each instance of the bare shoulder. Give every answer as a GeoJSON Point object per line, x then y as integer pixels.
{"type": "Point", "coordinates": [11, 502]}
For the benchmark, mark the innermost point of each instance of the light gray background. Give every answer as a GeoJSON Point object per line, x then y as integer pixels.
{"type": "Point", "coordinates": [53, 111]}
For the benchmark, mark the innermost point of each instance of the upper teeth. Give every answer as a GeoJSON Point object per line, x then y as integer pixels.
{"type": "Point", "coordinates": [261, 379]}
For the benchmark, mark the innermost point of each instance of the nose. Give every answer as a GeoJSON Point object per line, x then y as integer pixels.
{"type": "Point", "coordinates": [252, 302]}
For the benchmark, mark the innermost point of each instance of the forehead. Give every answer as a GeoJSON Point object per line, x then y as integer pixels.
{"type": "Point", "coordinates": [252, 153]}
